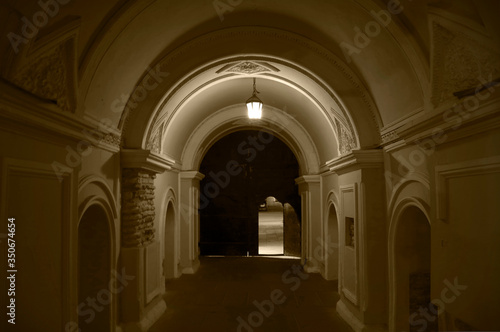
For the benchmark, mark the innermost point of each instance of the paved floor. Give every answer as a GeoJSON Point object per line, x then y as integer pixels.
{"type": "Point", "coordinates": [226, 293]}
{"type": "Point", "coordinates": [271, 233]}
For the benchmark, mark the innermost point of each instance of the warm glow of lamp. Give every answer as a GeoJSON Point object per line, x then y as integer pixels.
{"type": "Point", "coordinates": [254, 104]}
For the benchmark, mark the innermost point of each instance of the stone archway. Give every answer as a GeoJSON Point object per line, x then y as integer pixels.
{"type": "Point", "coordinates": [94, 271]}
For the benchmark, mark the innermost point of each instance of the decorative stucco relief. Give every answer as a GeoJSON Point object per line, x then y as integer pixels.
{"type": "Point", "coordinates": [154, 143]}
{"type": "Point", "coordinates": [347, 142]}
{"type": "Point", "coordinates": [460, 62]}
{"type": "Point", "coordinates": [47, 67]}
{"type": "Point", "coordinates": [247, 67]}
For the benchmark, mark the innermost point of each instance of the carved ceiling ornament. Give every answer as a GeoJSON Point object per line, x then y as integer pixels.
{"type": "Point", "coordinates": [346, 139]}
{"type": "Point", "coordinates": [460, 62]}
{"type": "Point", "coordinates": [247, 67]}
{"type": "Point", "coordinates": [111, 139]}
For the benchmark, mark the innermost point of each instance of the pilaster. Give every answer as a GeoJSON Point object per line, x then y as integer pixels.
{"type": "Point", "coordinates": [310, 193]}
{"type": "Point", "coordinates": [190, 221]}
{"type": "Point", "coordinates": [362, 240]}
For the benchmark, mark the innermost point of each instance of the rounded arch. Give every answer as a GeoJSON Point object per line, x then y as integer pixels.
{"type": "Point", "coordinates": [415, 185]}
{"type": "Point", "coordinates": [94, 188]}
{"type": "Point", "coordinates": [273, 43]}
{"type": "Point", "coordinates": [410, 213]}
{"type": "Point", "coordinates": [232, 119]}
{"type": "Point", "coordinates": [95, 193]}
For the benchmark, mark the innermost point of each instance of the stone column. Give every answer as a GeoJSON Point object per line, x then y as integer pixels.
{"type": "Point", "coordinates": [141, 299]}
{"type": "Point", "coordinates": [190, 221]}
{"type": "Point", "coordinates": [138, 209]}
{"type": "Point", "coordinates": [309, 190]}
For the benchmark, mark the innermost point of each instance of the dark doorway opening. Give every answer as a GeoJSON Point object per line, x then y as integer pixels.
{"type": "Point", "coordinates": [413, 272]}
{"type": "Point", "coordinates": [94, 269]}
{"type": "Point", "coordinates": [241, 170]}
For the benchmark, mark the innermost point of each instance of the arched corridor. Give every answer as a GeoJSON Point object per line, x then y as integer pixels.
{"type": "Point", "coordinates": [128, 157]}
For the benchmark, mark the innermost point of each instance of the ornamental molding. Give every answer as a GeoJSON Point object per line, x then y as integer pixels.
{"type": "Point", "coordinates": [145, 160]}
{"type": "Point", "coordinates": [248, 68]}
{"type": "Point", "coordinates": [346, 140]}
{"type": "Point", "coordinates": [357, 159]}
{"type": "Point", "coordinates": [154, 144]}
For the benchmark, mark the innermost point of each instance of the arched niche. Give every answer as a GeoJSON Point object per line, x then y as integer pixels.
{"type": "Point", "coordinates": [332, 244]}
{"type": "Point", "coordinates": [170, 248]}
{"type": "Point", "coordinates": [410, 269]}
{"type": "Point", "coordinates": [95, 293]}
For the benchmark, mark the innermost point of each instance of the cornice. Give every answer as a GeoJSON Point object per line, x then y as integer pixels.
{"type": "Point", "coordinates": [456, 125]}
{"type": "Point", "coordinates": [357, 159]}
{"type": "Point", "coordinates": [145, 159]}
{"type": "Point", "coordinates": [28, 111]}
{"type": "Point", "coordinates": [308, 179]}
{"type": "Point", "coordinates": [192, 175]}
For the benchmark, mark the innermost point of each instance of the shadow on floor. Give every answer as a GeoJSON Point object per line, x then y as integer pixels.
{"type": "Point", "coordinates": [250, 294]}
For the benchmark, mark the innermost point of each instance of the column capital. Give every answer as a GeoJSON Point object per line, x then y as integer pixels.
{"type": "Point", "coordinates": [192, 175]}
{"type": "Point", "coordinates": [146, 160]}
{"type": "Point", "coordinates": [357, 159]}
{"type": "Point", "coordinates": [308, 179]}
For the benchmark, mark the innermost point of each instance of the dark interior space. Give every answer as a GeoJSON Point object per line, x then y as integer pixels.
{"type": "Point", "coordinates": [241, 170]}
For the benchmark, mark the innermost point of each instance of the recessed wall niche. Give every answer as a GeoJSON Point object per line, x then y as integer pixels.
{"type": "Point", "coordinates": [349, 232]}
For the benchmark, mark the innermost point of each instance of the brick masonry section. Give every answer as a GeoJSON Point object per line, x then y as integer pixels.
{"type": "Point", "coordinates": [138, 210]}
